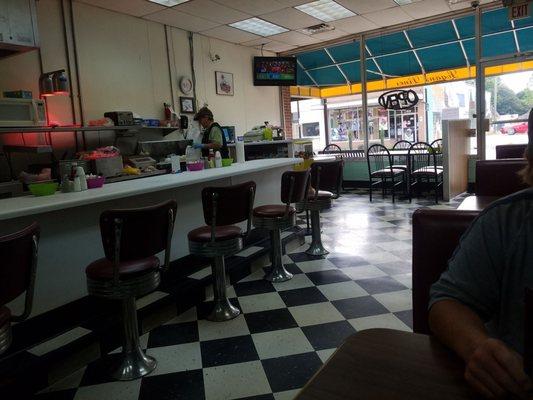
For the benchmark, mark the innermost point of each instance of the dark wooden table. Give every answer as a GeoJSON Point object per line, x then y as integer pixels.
{"type": "Point", "coordinates": [476, 203]}
{"type": "Point", "coordinates": [382, 364]}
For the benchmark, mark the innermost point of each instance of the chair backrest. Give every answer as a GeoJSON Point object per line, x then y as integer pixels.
{"type": "Point", "coordinates": [402, 145]}
{"type": "Point", "coordinates": [327, 175]}
{"type": "Point", "coordinates": [436, 143]}
{"type": "Point", "coordinates": [229, 204]}
{"type": "Point", "coordinates": [332, 148]}
{"type": "Point", "coordinates": [421, 155]}
{"type": "Point", "coordinates": [499, 177]}
{"type": "Point", "coordinates": [138, 232]}
{"type": "Point", "coordinates": [294, 185]}
{"type": "Point", "coordinates": [510, 151]}
{"type": "Point", "coordinates": [18, 252]}
{"type": "Point", "coordinates": [378, 157]}
{"type": "Point", "coordinates": [436, 234]}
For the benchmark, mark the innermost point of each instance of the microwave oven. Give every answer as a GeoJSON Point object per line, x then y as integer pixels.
{"type": "Point", "coordinates": [22, 112]}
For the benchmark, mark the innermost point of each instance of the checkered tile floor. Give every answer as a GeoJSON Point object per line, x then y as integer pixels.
{"type": "Point", "coordinates": [286, 330]}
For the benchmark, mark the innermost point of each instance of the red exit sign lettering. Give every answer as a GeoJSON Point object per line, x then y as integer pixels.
{"type": "Point", "coordinates": [519, 11]}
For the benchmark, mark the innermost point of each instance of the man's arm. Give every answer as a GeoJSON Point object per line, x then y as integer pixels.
{"type": "Point", "coordinates": [492, 368]}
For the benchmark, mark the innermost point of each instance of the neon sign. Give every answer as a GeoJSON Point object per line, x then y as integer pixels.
{"type": "Point", "coordinates": [398, 99]}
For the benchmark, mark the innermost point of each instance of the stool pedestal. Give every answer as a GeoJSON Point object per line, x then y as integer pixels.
{"type": "Point", "coordinates": [131, 363]}
{"type": "Point", "coordinates": [316, 248]}
{"type": "Point", "coordinates": [223, 310]}
{"type": "Point", "coordinates": [277, 272]}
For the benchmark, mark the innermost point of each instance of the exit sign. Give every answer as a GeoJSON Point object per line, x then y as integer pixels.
{"type": "Point", "coordinates": [519, 10]}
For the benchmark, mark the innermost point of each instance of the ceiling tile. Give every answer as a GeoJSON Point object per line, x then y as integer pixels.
{"type": "Point", "coordinates": [366, 6]}
{"type": "Point", "coordinates": [257, 42]}
{"type": "Point", "coordinates": [181, 20]}
{"type": "Point", "coordinates": [426, 8]}
{"type": "Point", "coordinates": [390, 16]}
{"type": "Point", "coordinates": [294, 38]}
{"type": "Point", "coordinates": [354, 24]}
{"type": "Point", "coordinates": [212, 11]}
{"type": "Point", "coordinates": [291, 18]}
{"type": "Point", "coordinates": [278, 47]}
{"type": "Point", "coordinates": [466, 4]}
{"type": "Point", "coordinates": [329, 35]}
{"type": "Point", "coordinates": [292, 3]}
{"type": "Point", "coordinates": [253, 7]}
{"type": "Point", "coordinates": [136, 8]}
{"type": "Point", "coordinates": [230, 34]}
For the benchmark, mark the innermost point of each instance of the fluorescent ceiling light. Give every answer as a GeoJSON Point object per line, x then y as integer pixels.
{"type": "Point", "coordinates": [325, 10]}
{"type": "Point", "coordinates": [403, 2]}
{"type": "Point", "coordinates": [258, 26]}
{"type": "Point", "coordinates": [169, 3]}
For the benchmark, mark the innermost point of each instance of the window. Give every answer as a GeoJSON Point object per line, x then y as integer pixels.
{"type": "Point", "coordinates": [311, 129]}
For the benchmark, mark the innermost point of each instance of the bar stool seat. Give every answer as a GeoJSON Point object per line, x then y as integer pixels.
{"type": "Point", "coordinates": [322, 194]}
{"type": "Point", "coordinates": [225, 232]}
{"type": "Point", "coordinates": [102, 269]}
{"type": "Point", "coordinates": [273, 211]}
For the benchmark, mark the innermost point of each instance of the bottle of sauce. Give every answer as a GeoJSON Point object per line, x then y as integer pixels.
{"type": "Point", "coordinates": [211, 159]}
{"type": "Point", "coordinates": [218, 160]}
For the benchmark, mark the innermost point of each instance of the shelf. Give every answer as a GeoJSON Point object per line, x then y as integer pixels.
{"type": "Point", "coordinates": [39, 149]}
{"type": "Point", "coordinates": [46, 129]}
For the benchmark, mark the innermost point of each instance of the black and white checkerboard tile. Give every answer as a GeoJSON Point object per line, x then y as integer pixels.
{"type": "Point", "coordinates": [286, 330]}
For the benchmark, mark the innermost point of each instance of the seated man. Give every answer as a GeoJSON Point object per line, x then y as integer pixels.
{"type": "Point", "coordinates": [477, 306]}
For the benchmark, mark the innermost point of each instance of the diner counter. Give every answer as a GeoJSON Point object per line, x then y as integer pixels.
{"type": "Point", "coordinates": [70, 232]}
{"type": "Point", "coordinates": [30, 205]}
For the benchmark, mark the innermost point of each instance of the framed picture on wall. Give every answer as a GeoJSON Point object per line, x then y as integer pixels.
{"type": "Point", "coordinates": [187, 105]}
{"type": "Point", "coordinates": [224, 82]}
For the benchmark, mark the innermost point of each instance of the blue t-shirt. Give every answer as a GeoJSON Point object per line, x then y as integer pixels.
{"type": "Point", "coordinates": [492, 265]}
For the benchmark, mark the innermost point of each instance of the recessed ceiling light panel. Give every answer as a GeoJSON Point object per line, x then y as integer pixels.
{"type": "Point", "coordinates": [325, 10]}
{"type": "Point", "coordinates": [259, 27]}
{"type": "Point", "coordinates": [169, 3]}
{"type": "Point", "coordinates": [403, 2]}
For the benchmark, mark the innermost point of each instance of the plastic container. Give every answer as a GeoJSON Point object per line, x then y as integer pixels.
{"type": "Point", "coordinates": [43, 189]}
{"type": "Point", "coordinates": [94, 183]}
{"type": "Point", "coordinates": [226, 162]}
{"type": "Point", "coordinates": [195, 166]}
{"type": "Point", "coordinates": [239, 147]}
{"type": "Point", "coordinates": [218, 160]}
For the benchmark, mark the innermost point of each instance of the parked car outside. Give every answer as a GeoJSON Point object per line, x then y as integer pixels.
{"type": "Point", "coordinates": [516, 128]}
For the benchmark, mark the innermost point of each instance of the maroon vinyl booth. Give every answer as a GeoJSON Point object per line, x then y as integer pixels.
{"type": "Point", "coordinates": [499, 177]}
{"type": "Point", "coordinates": [510, 151]}
{"type": "Point", "coordinates": [436, 234]}
{"type": "Point", "coordinates": [18, 252]}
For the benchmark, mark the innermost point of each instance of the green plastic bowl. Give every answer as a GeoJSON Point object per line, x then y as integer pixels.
{"type": "Point", "coordinates": [226, 162]}
{"type": "Point", "coordinates": [43, 189]}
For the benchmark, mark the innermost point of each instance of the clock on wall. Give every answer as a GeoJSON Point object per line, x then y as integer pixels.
{"type": "Point", "coordinates": [186, 85]}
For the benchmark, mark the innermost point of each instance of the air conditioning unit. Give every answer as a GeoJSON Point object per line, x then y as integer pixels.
{"type": "Point", "coordinates": [319, 28]}
{"type": "Point", "coordinates": [18, 27]}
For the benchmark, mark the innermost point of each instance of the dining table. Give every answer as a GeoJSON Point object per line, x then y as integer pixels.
{"type": "Point", "coordinates": [477, 203]}
{"type": "Point", "coordinates": [385, 364]}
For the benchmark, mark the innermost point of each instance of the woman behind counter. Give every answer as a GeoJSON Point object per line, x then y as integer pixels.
{"type": "Point", "coordinates": [212, 137]}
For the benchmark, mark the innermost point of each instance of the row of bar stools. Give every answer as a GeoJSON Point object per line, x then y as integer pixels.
{"type": "Point", "coordinates": [275, 217]}
{"type": "Point", "coordinates": [322, 175]}
{"type": "Point", "coordinates": [131, 239]}
{"type": "Point", "coordinates": [223, 208]}
{"type": "Point", "coordinates": [18, 252]}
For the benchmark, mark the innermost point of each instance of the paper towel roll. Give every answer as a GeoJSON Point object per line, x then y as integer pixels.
{"type": "Point", "coordinates": [239, 149]}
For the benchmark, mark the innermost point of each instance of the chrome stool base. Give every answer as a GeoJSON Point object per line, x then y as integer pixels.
{"type": "Point", "coordinates": [277, 272]}
{"type": "Point", "coordinates": [316, 248]}
{"type": "Point", "coordinates": [132, 365]}
{"type": "Point", "coordinates": [277, 275]}
{"type": "Point", "coordinates": [223, 310]}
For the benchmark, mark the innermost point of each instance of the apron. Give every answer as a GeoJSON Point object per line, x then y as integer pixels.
{"type": "Point", "coordinates": [205, 140]}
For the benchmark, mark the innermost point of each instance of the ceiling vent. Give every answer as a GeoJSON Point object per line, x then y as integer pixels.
{"type": "Point", "coordinates": [319, 28]}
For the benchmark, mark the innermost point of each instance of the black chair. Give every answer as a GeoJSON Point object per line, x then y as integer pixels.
{"type": "Point", "coordinates": [438, 147]}
{"type": "Point", "coordinates": [131, 240]}
{"type": "Point", "coordinates": [331, 148]}
{"type": "Point", "coordinates": [401, 161]}
{"type": "Point", "coordinates": [423, 168]}
{"type": "Point", "coordinates": [223, 208]}
{"type": "Point", "coordinates": [380, 168]}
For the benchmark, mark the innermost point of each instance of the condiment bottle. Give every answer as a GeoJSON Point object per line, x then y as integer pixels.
{"type": "Point", "coordinates": [211, 159]}
{"type": "Point", "coordinates": [80, 173]}
{"type": "Point", "coordinates": [218, 160]}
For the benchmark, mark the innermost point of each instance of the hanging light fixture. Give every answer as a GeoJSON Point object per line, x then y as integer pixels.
{"type": "Point", "coordinates": [60, 82]}
{"type": "Point", "coordinates": [54, 83]}
{"type": "Point", "coordinates": [46, 85]}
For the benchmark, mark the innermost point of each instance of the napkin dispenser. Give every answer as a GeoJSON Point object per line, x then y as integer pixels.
{"type": "Point", "coordinates": [108, 166]}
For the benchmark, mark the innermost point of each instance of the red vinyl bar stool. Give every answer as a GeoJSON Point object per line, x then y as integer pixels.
{"type": "Point", "coordinates": [18, 252]}
{"type": "Point", "coordinates": [223, 207]}
{"type": "Point", "coordinates": [323, 174]}
{"type": "Point", "coordinates": [275, 217]}
{"type": "Point", "coordinates": [131, 239]}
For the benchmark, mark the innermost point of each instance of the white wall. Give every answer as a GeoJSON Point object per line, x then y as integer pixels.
{"type": "Point", "coordinates": [123, 65]}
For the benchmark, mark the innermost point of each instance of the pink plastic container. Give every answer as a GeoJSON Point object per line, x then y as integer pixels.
{"type": "Point", "coordinates": [93, 183]}
{"type": "Point", "coordinates": [195, 166]}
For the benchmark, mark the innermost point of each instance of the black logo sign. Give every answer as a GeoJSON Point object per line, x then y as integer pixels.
{"type": "Point", "coordinates": [398, 99]}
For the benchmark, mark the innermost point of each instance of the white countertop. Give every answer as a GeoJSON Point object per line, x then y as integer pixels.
{"type": "Point", "coordinates": [263, 142]}
{"type": "Point", "coordinates": [29, 205]}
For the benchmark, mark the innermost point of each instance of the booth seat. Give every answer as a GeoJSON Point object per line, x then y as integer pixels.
{"type": "Point", "coordinates": [436, 234]}
{"type": "Point", "coordinates": [510, 151]}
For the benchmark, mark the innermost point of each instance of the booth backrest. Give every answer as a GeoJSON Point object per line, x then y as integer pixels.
{"type": "Point", "coordinates": [436, 234]}
{"type": "Point", "coordinates": [499, 177]}
{"type": "Point", "coordinates": [510, 151]}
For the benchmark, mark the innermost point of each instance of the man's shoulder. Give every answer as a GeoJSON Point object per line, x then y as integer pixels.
{"type": "Point", "coordinates": [511, 211]}
{"type": "Point", "coordinates": [521, 199]}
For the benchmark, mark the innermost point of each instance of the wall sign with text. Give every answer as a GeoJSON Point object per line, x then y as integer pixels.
{"type": "Point", "coordinates": [398, 99]}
